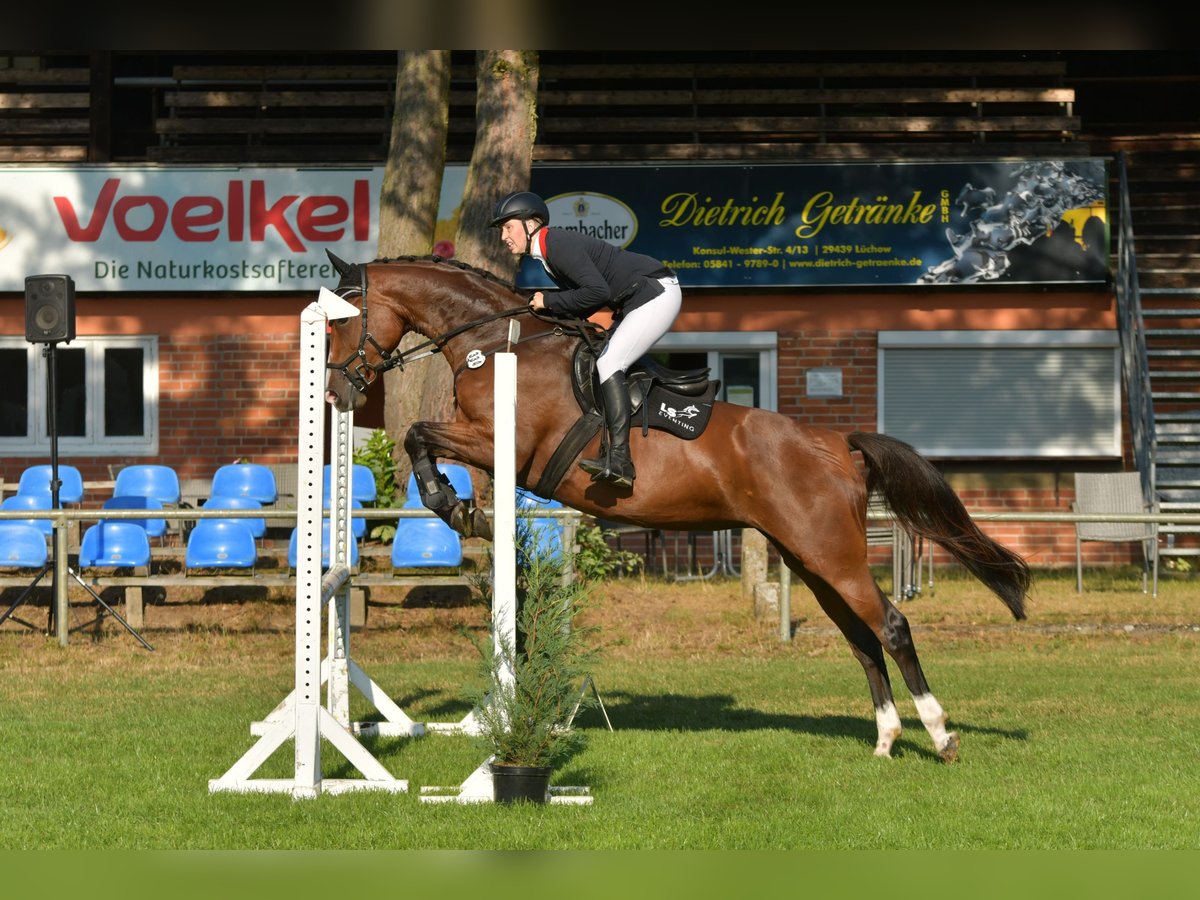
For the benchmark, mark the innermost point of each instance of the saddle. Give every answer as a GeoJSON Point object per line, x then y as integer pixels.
{"type": "Point", "coordinates": [677, 402]}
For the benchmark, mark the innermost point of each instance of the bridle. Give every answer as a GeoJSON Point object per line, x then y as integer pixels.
{"type": "Point", "coordinates": [359, 372]}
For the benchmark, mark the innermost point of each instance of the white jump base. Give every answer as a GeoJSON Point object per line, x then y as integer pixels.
{"type": "Point", "coordinates": [301, 716]}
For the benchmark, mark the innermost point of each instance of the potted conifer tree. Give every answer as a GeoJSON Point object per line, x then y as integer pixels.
{"type": "Point", "coordinates": [525, 720]}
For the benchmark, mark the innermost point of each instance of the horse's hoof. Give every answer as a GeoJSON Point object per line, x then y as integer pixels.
{"type": "Point", "coordinates": [949, 751]}
{"type": "Point", "coordinates": [480, 525]}
{"type": "Point", "coordinates": [458, 520]}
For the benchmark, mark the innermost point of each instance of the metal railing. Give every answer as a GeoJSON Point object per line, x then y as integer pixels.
{"type": "Point", "coordinates": [1135, 365]}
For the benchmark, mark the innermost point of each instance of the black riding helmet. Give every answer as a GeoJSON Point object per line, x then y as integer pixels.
{"type": "Point", "coordinates": [521, 205]}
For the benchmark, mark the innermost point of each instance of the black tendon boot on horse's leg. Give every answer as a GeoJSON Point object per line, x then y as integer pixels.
{"type": "Point", "coordinates": [618, 468]}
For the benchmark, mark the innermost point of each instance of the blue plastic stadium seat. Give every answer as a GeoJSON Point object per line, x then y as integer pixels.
{"type": "Point", "coordinates": [22, 546]}
{"type": "Point", "coordinates": [358, 525]}
{"type": "Point", "coordinates": [425, 542]}
{"type": "Point", "coordinates": [221, 543]}
{"type": "Point", "coordinates": [32, 501]}
{"type": "Point", "coordinates": [153, 527]}
{"type": "Point", "coordinates": [145, 480]}
{"type": "Point", "coordinates": [362, 483]}
{"type": "Point", "coordinates": [36, 479]}
{"type": "Point", "coordinates": [119, 543]}
{"type": "Point", "coordinates": [459, 477]}
{"type": "Point", "coordinates": [546, 531]}
{"type": "Point", "coordinates": [245, 480]}
{"type": "Point", "coordinates": [294, 544]}
{"type": "Point", "coordinates": [258, 527]}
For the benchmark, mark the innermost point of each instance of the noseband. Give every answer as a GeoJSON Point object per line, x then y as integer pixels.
{"type": "Point", "coordinates": [356, 369]}
{"type": "Point", "coordinates": [357, 376]}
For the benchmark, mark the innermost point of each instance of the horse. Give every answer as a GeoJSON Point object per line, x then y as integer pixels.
{"type": "Point", "coordinates": [801, 486]}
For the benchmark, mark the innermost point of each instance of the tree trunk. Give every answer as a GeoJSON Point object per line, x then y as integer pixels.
{"type": "Point", "coordinates": [408, 208]}
{"type": "Point", "coordinates": [505, 128]}
{"type": "Point", "coordinates": [501, 162]}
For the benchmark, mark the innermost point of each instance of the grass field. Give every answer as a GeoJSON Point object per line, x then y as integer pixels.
{"type": "Point", "coordinates": [1079, 729]}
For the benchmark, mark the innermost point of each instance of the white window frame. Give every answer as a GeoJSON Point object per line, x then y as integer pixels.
{"type": "Point", "coordinates": [931, 445]}
{"type": "Point", "coordinates": [714, 343]}
{"type": "Point", "coordinates": [94, 442]}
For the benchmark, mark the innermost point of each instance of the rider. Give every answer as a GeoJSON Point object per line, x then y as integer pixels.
{"type": "Point", "coordinates": [592, 274]}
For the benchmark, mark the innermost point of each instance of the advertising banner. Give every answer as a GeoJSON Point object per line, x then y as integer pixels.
{"type": "Point", "coordinates": [231, 228]}
{"type": "Point", "coordinates": [902, 223]}
{"type": "Point", "coordinates": [187, 229]}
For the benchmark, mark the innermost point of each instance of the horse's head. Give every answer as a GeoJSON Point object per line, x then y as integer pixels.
{"type": "Point", "coordinates": [360, 346]}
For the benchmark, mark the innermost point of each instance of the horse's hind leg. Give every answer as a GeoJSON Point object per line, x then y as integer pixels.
{"type": "Point", "coordinates": [868, 650]}
{"type": "Point", "coordinates": [889, 628]}
{"type": "Point", "coordinates": [871, 622]}
{"type": "Point", "coordinates": [897, 638]}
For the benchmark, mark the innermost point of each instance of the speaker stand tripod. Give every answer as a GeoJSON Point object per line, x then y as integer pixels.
{"type": "Point", "coordinates": [59, 544]}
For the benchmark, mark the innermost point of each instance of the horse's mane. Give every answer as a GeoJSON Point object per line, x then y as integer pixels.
{"type": "Point", "coordinates": [458, 264]}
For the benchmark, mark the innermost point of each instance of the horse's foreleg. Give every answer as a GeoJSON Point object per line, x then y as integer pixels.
{"type": "Point", "coordinates": [437, 494]}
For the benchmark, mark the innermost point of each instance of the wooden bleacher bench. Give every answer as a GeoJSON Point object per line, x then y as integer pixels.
{"type": "Point", "coordinates": [44, 114]}
{"type": "Point", "coordinates": [641, 111]}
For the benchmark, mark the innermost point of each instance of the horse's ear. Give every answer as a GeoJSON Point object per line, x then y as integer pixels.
{"type": "Point", "coordinates": [344, 268]}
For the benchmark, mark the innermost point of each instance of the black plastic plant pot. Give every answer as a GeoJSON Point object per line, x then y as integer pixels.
{"type": "Point", "coordinates": [511, 784]}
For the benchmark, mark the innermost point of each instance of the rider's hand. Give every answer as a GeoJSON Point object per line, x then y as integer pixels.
{"type": "Point", "coordinates": [538, 300]}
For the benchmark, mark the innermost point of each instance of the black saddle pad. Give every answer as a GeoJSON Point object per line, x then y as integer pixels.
{"type": "Point", "coordinates": [676, 402]}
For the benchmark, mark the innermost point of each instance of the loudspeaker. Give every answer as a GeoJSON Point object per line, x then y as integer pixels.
{"type": "Point", "coordinates": [49, 309]}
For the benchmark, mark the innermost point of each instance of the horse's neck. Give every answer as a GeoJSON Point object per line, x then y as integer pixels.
{"type": "Point", "coordinates": [435, 316]}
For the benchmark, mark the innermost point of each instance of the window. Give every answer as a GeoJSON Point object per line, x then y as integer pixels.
{"type": "Point", "coordinates": [107, 400]}
{"type": "Point", "coordinates": [1032, 394]}
{"type": "Point", "coordinates": [744, 361]}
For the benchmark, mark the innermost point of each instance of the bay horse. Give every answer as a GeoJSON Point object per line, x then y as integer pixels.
{"type": "Point", "coordinates": [751, 468]}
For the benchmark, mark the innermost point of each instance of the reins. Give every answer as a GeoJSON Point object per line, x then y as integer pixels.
{"type": "Point", "coordinates": [357, 376]}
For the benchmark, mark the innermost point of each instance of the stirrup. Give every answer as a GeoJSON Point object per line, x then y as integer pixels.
{"type": "Point", "coordinates": [597, 468]}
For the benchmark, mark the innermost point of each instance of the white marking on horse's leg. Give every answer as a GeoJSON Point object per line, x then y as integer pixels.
{"type": "Point", "coordinates": [888, 722]}
{"type": "Point", "coordinates": [934, 720]}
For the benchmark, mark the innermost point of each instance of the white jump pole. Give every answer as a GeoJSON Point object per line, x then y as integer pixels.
{"type": "Point", "coordinates": [301, 715]}
{"type": "Point", "coordinates": [477, 788]}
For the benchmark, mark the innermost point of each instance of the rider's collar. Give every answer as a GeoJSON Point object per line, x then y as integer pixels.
{"type": "Point", "coordinates": [537, 244]}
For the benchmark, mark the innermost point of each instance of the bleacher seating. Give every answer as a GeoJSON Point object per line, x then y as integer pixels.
{"type": "Point", "coordinates": [22, 546]}
{"type": "Point", "coordinates": [430, 542]}
{"type": "Point", "coordinates": [45, 113]}
{"type": "Point", "coordinates": [638, 109]}
{"type": "Point", "coordinates": [221, 544]}
{"type": "Point", "coordinates": [294, 543]}
{"type": "Point", "coordinates": [546, 532]}
{"type": "Point", "coordinates": [117, 544]}
{"type": "Point", "coordinates": [251, 480]}
{"type": "Point", "coordinates": [147, 480]}
{"type": "Point", "coordinates": [152, 526]}
{"type": "Point", "coordinates": [257, 526]}
{"type": "Point", "coordinates": [362, 483]}
{"type": "Point", "coordinates": [36, 479]}
{"type": "Point", "coordinates": [34, 502]}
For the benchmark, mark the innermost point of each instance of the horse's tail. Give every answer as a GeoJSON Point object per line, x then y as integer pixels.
{"type": "Point", "coordinates": [926, 505]}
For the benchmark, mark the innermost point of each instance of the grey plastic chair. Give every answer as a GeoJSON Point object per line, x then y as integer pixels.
{"type": "Point", "coordinates": [1114, 493]}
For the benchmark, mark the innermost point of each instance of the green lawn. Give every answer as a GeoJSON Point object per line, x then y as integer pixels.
{"type": "Point", "coordinates": [1079, 730]}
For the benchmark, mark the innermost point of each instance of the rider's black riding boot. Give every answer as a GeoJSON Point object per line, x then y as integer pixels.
{"type": "Point", "coordinates": [618, 468]}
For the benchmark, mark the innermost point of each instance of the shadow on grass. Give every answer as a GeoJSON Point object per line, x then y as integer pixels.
{"type": "Point", "coordinates": [719, 712]}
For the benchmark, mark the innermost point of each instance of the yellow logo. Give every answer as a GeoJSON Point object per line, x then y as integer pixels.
{"type": "Point", "coordinates": [5, 237]}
